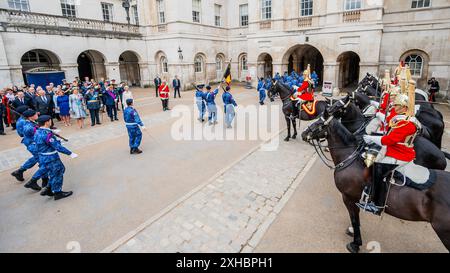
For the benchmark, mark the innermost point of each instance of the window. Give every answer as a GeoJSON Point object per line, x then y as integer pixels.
{"type": "Point", "coordinates": [135, 14]}
{"type": "Point", "coordinates": [266, 9]}
{"type": "Point", "coordinates": [19, 5]}
{"type": "Point", "coordinates": [161, 13]}
{"type": "Point", "coordinates": [306, 7]}
{"type": "Point", "coordinates": [243, 15]}
{"type": "Point", "coordinates": [415, 63]}
{"type": "Point", "coordinates": [68, 8]}
{"type": "Point", "coordinates": [196, 8]}
{"type": "Point", "coordinates": [244, 63]}
{"type": "Point", "coordinates": [198, 64]}
{"type": "Point", "coordinates": [164, 65]}
{"type": "Point", "coordinates": [420, 4]}
{"type": "Point", "coordinates": [352, 4]}
{"type": "Point", "coordinates": [217, 12]}
{"type": "Point", "coordinates": [219, 63]}
{"type": "Point", "coordinates": [107, 10]}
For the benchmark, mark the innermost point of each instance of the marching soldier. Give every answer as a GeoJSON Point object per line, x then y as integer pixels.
{"type": "Point", "coordinates": [399, 144]}
{"type": "Point", "coordinates": [49, 147]}
{"type": "Point", "coordinates": [229, 104]}
{"type": "Point", "coordinates": [200, 101]}
{"type": "Point", "coordinates": [132, 122]}
{"type": "Point", "coordinates": [262, 91]}
{"type": "Point", "coordinates": [211, 104]}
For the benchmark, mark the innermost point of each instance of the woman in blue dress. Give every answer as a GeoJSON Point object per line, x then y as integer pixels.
{"type": "Point", "coordinates": [62, 102]}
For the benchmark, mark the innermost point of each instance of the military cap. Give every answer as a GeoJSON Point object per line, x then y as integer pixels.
{"type": "Point", "coordinates": [44, 118]}
{"type": "Point", "coordinates": [29, 113]}
{"type": "Point", "coordinates": [200, 86]}
{"type": "Point", "coordinates": [22, 109]}
{"type": "Point", "coordinates": [208, 87]}
{"type": "Point", "coordinates": [129, 101]}
{"type": "Point", "coordinates": [227, 88]}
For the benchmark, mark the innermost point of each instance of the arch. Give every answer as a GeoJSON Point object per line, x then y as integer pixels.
{"type": "Point", "coordinates": [299, 56]}
{"type": "Point", "coordinates": [39, 59]}
{"type": "Point", "coordinates": [162, 63]}
{"type": "Point", "coordinates": [242, 66]}
{"type": "Point", "coordinates": [91, 63]}
{"type": "Point", "coordinates": [264, 65]}
{"type": "Point", "coordinates": [220, 65]}
{"type": "Point", "coordinates": [348, 69]}
{"type": "Point", "coordinates": [129, 68]}
{"type": "Point", "coordinates": [200, 67]}
{"type": "Point", "coordinates": [418, 61]}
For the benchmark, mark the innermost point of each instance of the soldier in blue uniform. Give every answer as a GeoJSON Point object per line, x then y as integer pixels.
{"type": "Point", "coordinates": [49, 147]}
{"type": "Point", "coordinates": [133, 121]}
{"type": "Point", "coordinates": [229, 104]}
{"type": "Point", "coordinates": [200, 101]}
{"type": "Point", "coordinates": [262, 91]}
{"type": "Point", "coordinates": [211, 104]}
{"type": "Point", "coordinates": [18, 174]}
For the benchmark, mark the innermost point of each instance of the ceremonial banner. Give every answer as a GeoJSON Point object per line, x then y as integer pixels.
{"type": "Point", "coordinates": [227, 74]}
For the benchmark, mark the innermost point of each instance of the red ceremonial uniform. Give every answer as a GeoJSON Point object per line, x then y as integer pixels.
{"type": "Point", "coordinates": [164, 92]}
{"type": "Point", "coordinates": [385, 103]}
{"type": "Point", "coordinates": [385, 126]}
{"type": "Point", "coordinates": [396, 141]}
{"type": "Point", "coordinates": [305, 93]}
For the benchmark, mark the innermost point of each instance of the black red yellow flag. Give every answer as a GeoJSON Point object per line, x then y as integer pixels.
{"type": "Point", "coordinates": [227, 74]}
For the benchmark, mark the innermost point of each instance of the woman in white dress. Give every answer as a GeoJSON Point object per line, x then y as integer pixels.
{"type": "Point", "coordinates": [126, 95]}
{"type": "Point", "coordinates": [77, 104]}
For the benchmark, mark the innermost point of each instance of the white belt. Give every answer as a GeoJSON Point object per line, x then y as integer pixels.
{"type": "Point", "coordinates": [51, 153]}
{"type": "Point", "coordinates": [130, 124]}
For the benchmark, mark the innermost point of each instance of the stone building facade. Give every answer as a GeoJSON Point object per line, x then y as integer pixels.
{"type": "Point", "coordinates": [195, 39]}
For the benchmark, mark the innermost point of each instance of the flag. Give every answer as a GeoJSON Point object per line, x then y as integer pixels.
{"type": "Point", "coordinates": [227, 74]}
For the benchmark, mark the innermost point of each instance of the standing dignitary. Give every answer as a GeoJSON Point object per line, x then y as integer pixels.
{"type": "Point", "coordinates": [157, 81]}
{"type": "Point", "coordinates": [126, 95]}
{"type": "Point", "coordinates": [44, 105]}
{"type": "Point", "coordinates": [49, 147]}
{"type": "Point", "coordinates": [132, 122]}
{"type": "Point", "coordinates": [164, 93]}
{"type": "Point", "coordinates": [110, 102]}
{"type": "Point", "coordinates": [176, 87]}
{"type": "Point", "coordinates": [93, 105]}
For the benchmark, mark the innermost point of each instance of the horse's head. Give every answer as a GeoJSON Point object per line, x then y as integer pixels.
{"type": "Point", "coordinates": [339, 107]}
{"type": "Point", "coordinates": [319, 129]}
{"type": "Point", "coordinates": [272, 91]}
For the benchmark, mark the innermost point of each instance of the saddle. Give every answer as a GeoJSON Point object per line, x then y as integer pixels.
{"type": "Point", "coordinates": [414, 176]}
{"type": "Point", "coordinates": [307, 106]}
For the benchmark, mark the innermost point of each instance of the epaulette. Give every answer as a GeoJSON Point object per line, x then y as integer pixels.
{"type": "Point", "coordinates": [399, 121]}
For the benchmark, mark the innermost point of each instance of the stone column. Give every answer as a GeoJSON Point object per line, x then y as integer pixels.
{"type": "Point", "coordinates": [70, 71]}
{"type": "Point", "coordinates": [11, 75]}
{"type": "Point", "coordinates": [113, 71]}
{"type": "Point", "coordinates": [331, 73]}
{"type": "Point", "coordinates": [144, 72]}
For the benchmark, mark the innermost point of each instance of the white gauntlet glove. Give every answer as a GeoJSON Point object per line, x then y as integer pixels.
{"type": "Point", "coordinates": [144, 128]}
{"type": "Point", "coordinates": [373, 139]}
{"type": "Point", "coordinates": [73, 155]}
{"type": "Point", "coordinates": [374, 104]}
{"type": "Point", "coordinates": [380, 116]}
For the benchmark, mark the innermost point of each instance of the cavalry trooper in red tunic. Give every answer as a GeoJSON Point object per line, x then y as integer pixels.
{"type": "Point", "coordinates": [304, 93]}
{"type": "Point", "coordinates": [398, 150]}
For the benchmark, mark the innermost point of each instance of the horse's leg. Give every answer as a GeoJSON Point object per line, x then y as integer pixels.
{"type": "Point", "coordinates": [353, 211]}
{"type": "Point", "coordinates": [294, 125]}
{"type": "Point", "coordinates": [288, 121]}
{"type": "Point", "coordinates": [441, 225]}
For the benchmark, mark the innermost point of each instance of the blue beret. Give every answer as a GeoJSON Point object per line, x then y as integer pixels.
{"type": "Point", "coordinates": [44, 118]}
{"type": "Point", "coordinates": [227, 88]}
{"type": "Point", "coordinates": [208, 87]}
{"type": "Point", "coordinates": [200, 86]}
{"type": "Point", "coordinates": [22, 109]}
{"type": "Point", "coordinates": [29, 113]}
{"type": "Point", "coordinates": [129, 101]}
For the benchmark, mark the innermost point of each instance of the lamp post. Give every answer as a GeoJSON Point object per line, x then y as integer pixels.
{"type": "Point", "coordinates": [126, 5]}
{"type": "Point", "coordinates": [180, 53]}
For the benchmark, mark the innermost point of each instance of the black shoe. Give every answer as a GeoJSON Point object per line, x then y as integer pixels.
{"type": "Point", "coordinates": [116, 119]}
{"type": "Point", "coordinates": [32, 184]}
{"type": "Point", "coordinates": [98, 123]}
{"type": "Point", "coordinates": [62, 194]}
{"type": "Point", "coordinates": [47, 192]}
{"type": "Point", "coordinates": [131, 151]}
{"type": "Point", "coordinates": [2, 134]}
{"type": "Point", "coordinates": [44, 182]}
{"type": "Point", "coordinates": [92, 125]}
{"type": "Point", "coordinates": [137, 151]}
{"type": "Point", "coordinates": [112, 120]}
{"type": "Point", "coordinates": [18, 175]}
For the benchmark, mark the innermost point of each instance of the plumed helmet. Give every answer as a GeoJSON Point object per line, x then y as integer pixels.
{"type": "Point", "coordinates": [402, 99]}
{"type": "Point", "coordinates": [394, 89]}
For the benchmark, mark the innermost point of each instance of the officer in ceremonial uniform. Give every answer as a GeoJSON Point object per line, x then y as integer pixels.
{"type": "Point", "coordinates": [164, 94]}
{"type": "Point", "coordinates": [262, 91]}
{"type": "Point", "coordinates": [200, 101]}
{"type": "Point", "coordinates": [132, 122]}
{"type": "Point", "coordinates": [305, 92]}
{"type": "Point", "coordinates": [399, 151]}
{"type": "Point", "coordinates": [29, 130]}
{"type": "Point", "coordinates": [211, 104]}
{"type": "Point", "coordinates": [48, 147]}
{"type": "Point", "coordinates": [229, 104]}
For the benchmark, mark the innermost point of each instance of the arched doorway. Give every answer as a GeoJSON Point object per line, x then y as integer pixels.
{"type": "Point", "coordinates": [200, 68]}
{"type": "Point", "coordinates": [91, 63]}
{"type": "Point", "coordinates": [220, 66]}
{"type": "Point", "coordinates": [348, 69]}
{"type": "Point", "coordinates": [129, 68]}
{"type": "Point", "coordinates": [242, 66]}
{"type": "Point", "coordinates": [39, 58]}
{"type": "Point", "coordinates": [265, 67]}
{"type": "Point", "coordinates": [298, 57]}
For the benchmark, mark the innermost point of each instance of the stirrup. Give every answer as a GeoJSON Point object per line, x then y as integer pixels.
{"type": "Point", "coordinates": [370, 207]}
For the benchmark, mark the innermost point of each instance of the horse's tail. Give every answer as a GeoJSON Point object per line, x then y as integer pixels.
{"type": "Point", "coordinates": [447, 155]}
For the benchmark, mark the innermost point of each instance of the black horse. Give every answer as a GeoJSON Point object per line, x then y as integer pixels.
{"type": "Point", "coordinates": [351, 176]}
{"type": "Point", "coordinates": [427, 154]}
{"type": "Point", "coordinates": [289, 108]}
{"type": "Point", "coordinates": [432, 120]}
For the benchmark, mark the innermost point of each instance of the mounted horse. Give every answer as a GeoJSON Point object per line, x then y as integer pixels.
{"type": "Point", "coordinates": [350, 175]}
{"type": "Point", "coordinates": [289, 111]}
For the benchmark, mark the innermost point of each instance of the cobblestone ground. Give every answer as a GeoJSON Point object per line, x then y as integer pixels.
{"type": "Point", "coordinates": [232, 212]}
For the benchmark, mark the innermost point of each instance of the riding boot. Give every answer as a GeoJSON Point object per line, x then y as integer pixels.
{"type": "Point", "coordinates": [382, 186]}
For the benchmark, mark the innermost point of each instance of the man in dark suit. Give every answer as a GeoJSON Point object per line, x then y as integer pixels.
{"type": "Point", "coordinates": [2, 113]}
{"type": "Point", "coordinates": [44, 105]}
{"type": "Point", "coordinates": [30, 96]}
{"type": "Point", "coordinates": [157, 84]}
{"type": "Point", "coordinates": [176, 86]}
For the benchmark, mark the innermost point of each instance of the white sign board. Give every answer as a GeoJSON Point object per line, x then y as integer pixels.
{"type": "Point", "coordinates": [327, 89]}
